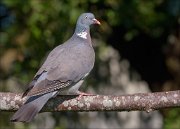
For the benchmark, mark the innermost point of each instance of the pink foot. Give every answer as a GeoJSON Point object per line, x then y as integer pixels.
{"type": "Point", "coordinates": [83, 94]}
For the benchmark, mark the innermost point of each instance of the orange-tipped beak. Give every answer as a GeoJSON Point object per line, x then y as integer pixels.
{"type": "Point", "coordinates": [96, 21]}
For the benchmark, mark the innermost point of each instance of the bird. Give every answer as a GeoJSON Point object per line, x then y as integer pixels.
{"type": "Point", "coordinates": [63, 71]}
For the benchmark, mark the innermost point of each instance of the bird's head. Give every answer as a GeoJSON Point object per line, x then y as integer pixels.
{"type": "Point", "coordinates": [87, 19]}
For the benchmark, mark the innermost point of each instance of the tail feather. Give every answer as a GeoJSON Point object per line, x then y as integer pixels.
{"type": "Point", "coordinates": [28, 111]}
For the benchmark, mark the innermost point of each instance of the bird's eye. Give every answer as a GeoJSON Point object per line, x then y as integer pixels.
{"type": "Point", "coordinates": [86, 17]}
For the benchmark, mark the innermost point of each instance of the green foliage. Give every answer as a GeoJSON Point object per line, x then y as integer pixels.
{"type": "Point", "coordinates": [173, 119]}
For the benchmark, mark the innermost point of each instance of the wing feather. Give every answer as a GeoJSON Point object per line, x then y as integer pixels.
{"type": "Point", "coordinates": [47, 86]}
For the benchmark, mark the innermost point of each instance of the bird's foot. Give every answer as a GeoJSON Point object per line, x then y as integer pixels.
{"type": "Point", "coordinates": [83, 94]}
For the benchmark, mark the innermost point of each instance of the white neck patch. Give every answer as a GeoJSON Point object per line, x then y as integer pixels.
{"type": "Point", "coordinates": [82, 35]}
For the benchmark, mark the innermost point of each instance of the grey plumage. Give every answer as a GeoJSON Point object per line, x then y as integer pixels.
{"type": "Point", "coordinates": [32, 106]}
{"type": "Point", "coordinates": [64, 70]}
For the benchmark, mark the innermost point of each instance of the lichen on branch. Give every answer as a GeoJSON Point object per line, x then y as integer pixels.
{"type": "Point", "coordinates": [134, 102]}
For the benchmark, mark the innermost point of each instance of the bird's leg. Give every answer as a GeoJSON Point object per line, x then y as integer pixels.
{"type": "Point", "coordinates": [83, 94]}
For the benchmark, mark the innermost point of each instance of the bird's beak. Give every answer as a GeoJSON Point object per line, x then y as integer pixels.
{"type": "Point", "coordinates": [96, 21]}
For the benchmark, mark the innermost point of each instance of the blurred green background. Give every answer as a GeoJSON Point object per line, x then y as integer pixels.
{"type": "Point", "coordinates": [137, 50]}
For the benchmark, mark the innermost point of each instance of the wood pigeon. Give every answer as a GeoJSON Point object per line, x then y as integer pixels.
{"type": "Point", "coordinates": [63, 71]}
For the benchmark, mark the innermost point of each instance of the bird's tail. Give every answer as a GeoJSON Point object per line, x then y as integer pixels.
{"type": "Point", "coordinates": [32, 106]}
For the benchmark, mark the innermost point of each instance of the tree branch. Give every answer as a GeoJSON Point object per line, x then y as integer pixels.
{"type": "Point", "coordinates": [135, 102]}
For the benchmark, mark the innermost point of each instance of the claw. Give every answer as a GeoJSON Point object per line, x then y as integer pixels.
{"type": "Point", "coordinates": [83, 94]}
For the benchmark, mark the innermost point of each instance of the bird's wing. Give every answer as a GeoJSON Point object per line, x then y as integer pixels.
{"type": "Point", "coordinates": [61, 69]}
{"type": "Point", "coordinates": [31, 84]}
{"type": "Point", "coordinates": [47, 86]}
{"type": "Point", "coordinates": [41, 85]}
{"type": "Point", "coordinates": [68, 62]}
